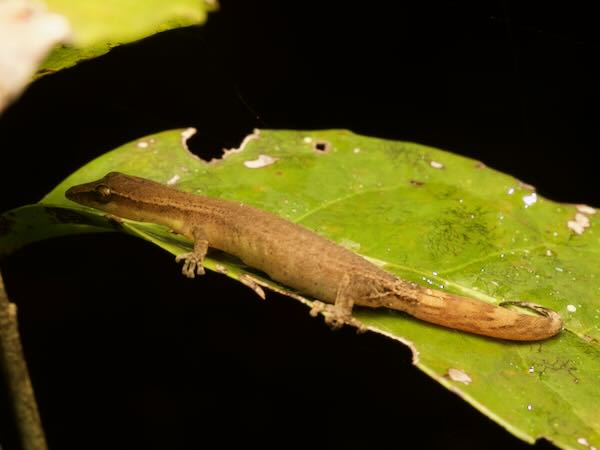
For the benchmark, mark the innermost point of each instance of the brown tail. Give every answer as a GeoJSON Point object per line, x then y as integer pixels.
{"type": "Point", "coordinates": [478, 317]}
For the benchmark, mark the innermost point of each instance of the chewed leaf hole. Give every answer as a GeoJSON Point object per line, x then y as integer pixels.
{"type": "Point", "coordinates": [213, 148]}
{"type": "Point", "coordinates": [322, 146]}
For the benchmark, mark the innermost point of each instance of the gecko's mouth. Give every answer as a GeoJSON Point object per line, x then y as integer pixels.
{"type": "Point", "coordinates": [71, 193]}
{"type": "Point", "coordinates": [79, 192]}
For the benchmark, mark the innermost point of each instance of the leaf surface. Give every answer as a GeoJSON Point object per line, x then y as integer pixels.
{"type": "Point", "coordinates": [99, 25]}
{"type": "Point", "coordinates": [427, 215]}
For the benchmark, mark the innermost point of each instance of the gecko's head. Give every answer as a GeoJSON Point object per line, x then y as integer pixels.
{"type": "Point", "coordinates": [108, 193]}
{"type": "Point", "coordinates": [96, 193]}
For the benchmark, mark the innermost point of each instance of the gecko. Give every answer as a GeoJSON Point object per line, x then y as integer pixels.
{"type": "Point", "coordinates": [337, 278]}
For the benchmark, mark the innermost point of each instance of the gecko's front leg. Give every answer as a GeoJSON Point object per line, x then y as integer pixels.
{"type": "Point", "coordinates": [193, 261]}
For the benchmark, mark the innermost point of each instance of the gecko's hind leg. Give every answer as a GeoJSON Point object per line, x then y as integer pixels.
{"type": "Point", "coordinates": [340, 312]}
{"type": "Point", "coordinates": [193, 261]}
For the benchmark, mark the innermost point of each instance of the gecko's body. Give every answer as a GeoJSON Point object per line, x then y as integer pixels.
{"type": "Point", "coordinates": [301, 259]}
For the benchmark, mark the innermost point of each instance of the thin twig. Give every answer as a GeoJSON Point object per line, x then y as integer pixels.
{"type": "Point", "coordinates": [12, 363]}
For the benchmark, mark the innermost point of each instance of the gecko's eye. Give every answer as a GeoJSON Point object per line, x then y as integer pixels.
{"type": "Point", "coordinates": [103, 193]}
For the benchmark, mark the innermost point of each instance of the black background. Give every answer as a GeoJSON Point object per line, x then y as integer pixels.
{"type": "Point", "coordinates": [126, 353]}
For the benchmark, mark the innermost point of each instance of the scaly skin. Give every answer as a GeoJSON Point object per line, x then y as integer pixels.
{"type": "Point", "coordinates": [301, 259]}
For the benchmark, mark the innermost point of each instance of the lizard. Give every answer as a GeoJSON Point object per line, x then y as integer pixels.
{"type": "Point", "coordinates": [297, 257]}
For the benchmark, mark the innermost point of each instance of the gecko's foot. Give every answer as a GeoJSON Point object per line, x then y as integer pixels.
{"type": "Point", "coordinates": [192, 264]}
{"type": "Point", "coordinates": [334, 317]}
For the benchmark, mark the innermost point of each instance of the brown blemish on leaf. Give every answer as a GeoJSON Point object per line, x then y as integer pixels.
{"type": "Point", "coordinates": [591, 339]}
{"type": "Point", "coordinates": [417, 183]}
{"type": "Point", "coordinates": [546, 366]}
{"type": "Point", "coordinates": [479, 165]}
{"type": "Point", "coordinates": [526, 186]}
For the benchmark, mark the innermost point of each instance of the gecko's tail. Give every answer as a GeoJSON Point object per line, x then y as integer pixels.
{"type": "Point", "coordinates": [475, 316]}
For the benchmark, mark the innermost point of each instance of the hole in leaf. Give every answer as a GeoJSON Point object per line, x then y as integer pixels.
{"type": "Point", "coordinates": [322, 146]}
{"type": "Point", "coordinates": [212, 146]}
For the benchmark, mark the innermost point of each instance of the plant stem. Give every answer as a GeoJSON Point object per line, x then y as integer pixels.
{"type": "Point", "coordinates": [12, 363]}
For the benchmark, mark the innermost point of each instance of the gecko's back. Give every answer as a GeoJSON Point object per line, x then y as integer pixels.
{"type": "Point", "coordinates": [287, 252]}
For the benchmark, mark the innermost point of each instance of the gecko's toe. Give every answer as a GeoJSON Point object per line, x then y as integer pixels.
{"type": "Point", "coordinates": [333, 317]}
{"type": "Point", "coordinates": [316, 308]}
{"type": "Point", "coordinates": [191, 265]}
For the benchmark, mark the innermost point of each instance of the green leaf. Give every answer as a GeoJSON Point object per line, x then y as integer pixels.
{"type": "Point", "coordinates": [99, 25]}
{"type": "Point", "coordinates": [429, 216]}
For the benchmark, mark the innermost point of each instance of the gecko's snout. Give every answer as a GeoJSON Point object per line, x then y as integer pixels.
{"type": "Point", "coordinates": [76, 193]}
{"type": "Point", "coordinates": [89, 194]}
{"type": "Point", "coordinates": [70, 193]}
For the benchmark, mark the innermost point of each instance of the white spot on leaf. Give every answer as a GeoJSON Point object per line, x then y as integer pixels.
{"type": "Point", "coordinates": [581, 221]}
{"type": "Point", "coordinates": [571, 308]}
{"type": "Point", "coordinates": [307, 140]}
{"type": "Point", "coordinates": [459, 376]}
{"type": "Point", "coordinates": [530, 199]}
{"type": "Point", "coordinates": [585, 209]}
{"type": "Point", "coordinates": [174, 179]}
{"type": "Point", "coordinates": [436, 165]}
{"type": "Point", "coordinates": [261, 161]}
{"type": "Point", "coordinates": [583, 441]}
{"type": "Point", "coordinates": [356, 151]}
{"type": "Point", "coordinates": [142, 144]}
